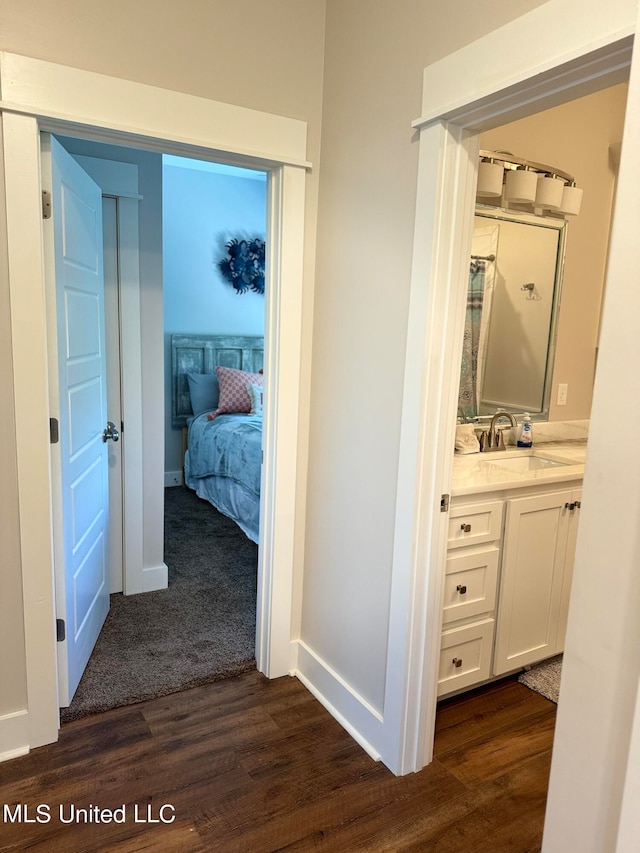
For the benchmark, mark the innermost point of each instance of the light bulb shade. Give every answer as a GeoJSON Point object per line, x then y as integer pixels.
{"type": "Point", "coordinates": [549, 192]}
{"type": "Point", "coordinates": [490, 177]}
{"type": "Point", "coordinates": [520, 186]}
{"type": "Point", "coordinates": [571, 201]}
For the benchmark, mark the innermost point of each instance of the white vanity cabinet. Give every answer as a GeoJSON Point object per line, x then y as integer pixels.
{"type": "Point", "coordinates": [510, 551]}
{"type": "Point", "coordinates": [471, 579]}
{"type": "Point", "coordinates": [535, 578]}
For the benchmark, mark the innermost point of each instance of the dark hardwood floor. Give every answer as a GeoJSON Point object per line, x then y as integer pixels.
{"type": "Point", "coordinates": [254, 766]}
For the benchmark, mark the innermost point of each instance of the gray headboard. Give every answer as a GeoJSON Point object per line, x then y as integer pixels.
{"type": "Point", "coordinates": [202, 354]}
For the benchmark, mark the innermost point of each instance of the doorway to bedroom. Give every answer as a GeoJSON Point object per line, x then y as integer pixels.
{"type": "Point", "coordinates": [202, 627]}
{"type": "Point", "coordinates": [214, 232]}
{"type": "Point", "coordinates": [148, 119]}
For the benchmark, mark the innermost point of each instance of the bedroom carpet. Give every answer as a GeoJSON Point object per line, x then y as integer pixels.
{"type": "Point", "coordinates": [544, 678]}
{"type": "Point", "coordinates": [201, 629]}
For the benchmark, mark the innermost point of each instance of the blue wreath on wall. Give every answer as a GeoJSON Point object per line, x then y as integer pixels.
{"type": "Point", "coordinates": [243, 265]}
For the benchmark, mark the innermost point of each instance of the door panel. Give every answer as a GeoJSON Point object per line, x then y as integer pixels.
{"type": "Point", "coordinates": [80, 474]}
{"type": "Point", "coordinates": [533, 558]}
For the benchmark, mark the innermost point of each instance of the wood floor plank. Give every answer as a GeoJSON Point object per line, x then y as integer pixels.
{"type": "Point", "coordinates": [494, 707]}
{"type": "Point", "coordinates": [486, 759]}
{"type": "Point", "coordinates": [222, 698]}
{"type": "Point", "coordinates": [335, 819]}
{"type": "Point", "coordinates": [259, 766]}
{"type": "Point", "coordinates": [178, 837]}
{"type": "Point", "coordinates": [503, 816]}
{"type": "Point", "coordinates": [82, 740]}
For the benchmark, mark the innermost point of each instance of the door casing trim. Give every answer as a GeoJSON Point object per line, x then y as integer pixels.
{"type": "Point", "coordinates": [42, 96]}
{"type": "Point", "coordinates": [543, 60]}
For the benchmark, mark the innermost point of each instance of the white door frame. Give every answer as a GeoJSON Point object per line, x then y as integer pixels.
{"type": "Point", "coordinates": [560, 51]}
{"type": "Point", "coordinates": [35, 96]}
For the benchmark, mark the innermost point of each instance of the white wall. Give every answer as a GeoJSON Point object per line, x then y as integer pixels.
{"type": "Point", "coordinates": [374, 59]}
{"type": "Point", "coordinates": [202, 209]}
{"type": "Point", "coordinates": [595, 749]}
{"type": "Point", "coordinates": [13, 691]}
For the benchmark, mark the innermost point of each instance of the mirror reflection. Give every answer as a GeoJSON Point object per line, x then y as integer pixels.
{"type": "Point", "coordinates": [515, 279]}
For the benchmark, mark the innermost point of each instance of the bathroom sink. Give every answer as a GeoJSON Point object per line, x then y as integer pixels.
{"type": "Point", "coordinates": [522, 464]}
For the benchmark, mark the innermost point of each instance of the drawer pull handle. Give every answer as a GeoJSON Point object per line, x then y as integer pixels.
{"type": "Point", "coordinates": [462, 588]}
{"type": "Point", "coordinates": [466, 528]}
{"type": "Point", "coordinates": [457, 662]}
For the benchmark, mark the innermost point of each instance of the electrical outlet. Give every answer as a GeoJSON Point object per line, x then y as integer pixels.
{"type": "Point", "coordinates": [562, 394]}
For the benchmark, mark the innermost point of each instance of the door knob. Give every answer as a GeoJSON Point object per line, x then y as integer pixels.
{"type": "Point", "coordinates": [110, 432]}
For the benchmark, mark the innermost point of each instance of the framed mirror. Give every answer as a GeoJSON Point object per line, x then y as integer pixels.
{"type": "Point", "coordinates": [515, 282]}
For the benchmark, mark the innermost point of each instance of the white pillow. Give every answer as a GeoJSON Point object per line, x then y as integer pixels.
{"type": "Point", "coordinates": [255, 393]}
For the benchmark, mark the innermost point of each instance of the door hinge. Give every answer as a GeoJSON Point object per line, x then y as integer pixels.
{"type": "Point", "coordinates": [54, 431]}
{"type": "Point", "coordinates": [46, 204]}
{"type": "Point", "coordinates": [61, 631]}
{"type": "Point", "coordinates": [444, 503]}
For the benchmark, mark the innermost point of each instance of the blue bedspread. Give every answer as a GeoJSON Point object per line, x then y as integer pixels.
{"type": "Point", "coordinates": [228, 446]}
{"type": "Point", "coordinates": [223, 466]}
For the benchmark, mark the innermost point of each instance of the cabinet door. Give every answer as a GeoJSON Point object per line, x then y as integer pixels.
{"type": "Point", "coordinates": [535, 545]}
{"type": "Point", "coordinates": [567, 579]}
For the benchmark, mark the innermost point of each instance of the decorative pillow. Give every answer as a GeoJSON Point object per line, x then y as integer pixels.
{"type": "Point", "coordinates": [204, 392]}
{"type": "Point", "coordinates": [234, 396]}
{"type": "Point", "coordinates": [255, 392]}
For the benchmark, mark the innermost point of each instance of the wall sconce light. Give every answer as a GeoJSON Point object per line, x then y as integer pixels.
{"type": "Point", "coordinates": [549, 192]}
{"type": "Point", "coordinates": [520, 185]}
{"type": "Point", "coordinates": [490, 177]}
{"type": "Point", "coordinates": [522, 182]}
{"type": "Point", "coordinates": [571, 200]}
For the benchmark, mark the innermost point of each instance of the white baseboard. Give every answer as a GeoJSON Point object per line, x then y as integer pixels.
{"type": "Point", "coordinates": [14, 735]}
{"type": "Point", "coordinates": [352, 711]}
{"type": "Point", "coordinates": [155, 577]}
{"type": "Point", "coordinates": [173, 478]}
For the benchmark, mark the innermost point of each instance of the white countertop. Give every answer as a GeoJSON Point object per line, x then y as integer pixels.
{"type": "Point", "coordinates": [474, 472]}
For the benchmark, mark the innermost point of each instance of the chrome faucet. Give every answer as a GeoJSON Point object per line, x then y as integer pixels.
{"type": "Point", "coordinates": [493, 439]}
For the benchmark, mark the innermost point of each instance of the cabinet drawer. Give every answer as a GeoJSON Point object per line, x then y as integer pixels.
{"type": "Point", "coordinates": [465, 656]}
{"type": "Point", "coordinates": [470, 583]}
{"type": "Point", "coordinates": [473, 524]}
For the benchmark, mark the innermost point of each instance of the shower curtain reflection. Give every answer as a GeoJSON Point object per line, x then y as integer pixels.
{"type": "Point", "coordinates": [468, 401]}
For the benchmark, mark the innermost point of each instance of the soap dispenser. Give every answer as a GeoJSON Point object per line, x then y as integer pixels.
{"type": "Point", "coordinates": [525, 438]}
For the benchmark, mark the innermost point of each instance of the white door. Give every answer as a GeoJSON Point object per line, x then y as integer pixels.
{"type": "Point", "coordinates": [77, 376]}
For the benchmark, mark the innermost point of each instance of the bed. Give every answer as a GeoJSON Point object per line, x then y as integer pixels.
{"type": "Point", "coordinates": [223, 455]}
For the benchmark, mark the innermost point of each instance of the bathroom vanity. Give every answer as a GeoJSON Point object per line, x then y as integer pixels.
{"type": "Point", "coordinates": [512, 528]}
